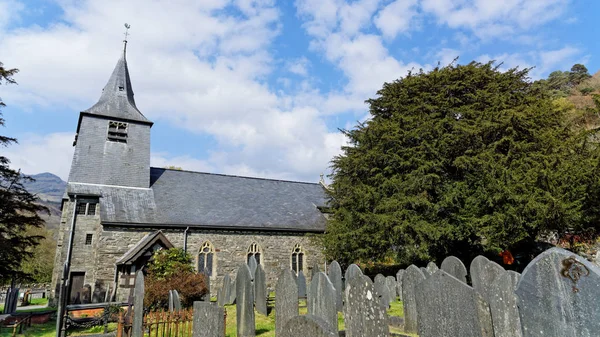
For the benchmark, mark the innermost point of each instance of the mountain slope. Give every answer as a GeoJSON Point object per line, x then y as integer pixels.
{"type": "Point", "coordinates": [50, 189]}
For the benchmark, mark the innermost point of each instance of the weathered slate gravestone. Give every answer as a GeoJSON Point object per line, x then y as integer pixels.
{"type": "Point", "coordinates": [245, 302]}
{"type": "Point", "coordinates": [226, 289]}
{"type": "Point", "coordinates": [411, 278]}
{"type": "Point", "coordinates": [352, 271]}
{"type": "Point", "coordinates": [321, 300]}
{"type": "Point", "coordinates": [301, 285]}
{"type": "Point", "coordinates": [221, 296]}
{"type": "Point", "coordinates": [448, 307]}
{"type": "Point", "coordinates": [99, 294]}
{"type": "Point", "coordinates": [382, 291]}
{"type": "Point", "coordinates": [252, 265]}
{"type": "Point", "coordinates": [137, 327]}
{"type": "Point", "coordinates": [86, 294]}
{"type": "Point", "coordinates": [260, 290]}
{"type": "Point", "coordinates": [335, 276]}
{"type": "Point", "coordinates": [10, 303]}
{"type": "Point", "coordinates": [390, 281]}
{"type": "Point", "coordinates": [503, 305]}
{"type": "Point", "coordinates": [286, 300]}
{"type": "Point", "coordinates": [399, 283]}
{"type": "Point", "coordinates": [432, 268]}
{"type": "Point", "coordinates": [209, 320]}
{"type": "Point", "coordinates": [425, 272]}
{"type": "Point", "coordinates": [171, 301]}
{"type": "Point", "coordinates": [306, 326]}
{"type": "Point", "coordinates": [363, 314]}
{"type": "Point", "coordinates": [455, 267]}
{"type": "Point", "coordinates": [558, 295]}
{"type": "Point", "coordinates": [176, 301]}
{"type": "Point", "coordinates": [207, 283]}
{"type": "Point", "coordinates": [314, 269]}
{"type": "Point", "coordinates": [483, 273]}
{"type": "Point", "coordinates": [232, 291]}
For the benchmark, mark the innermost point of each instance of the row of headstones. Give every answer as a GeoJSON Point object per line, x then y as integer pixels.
{"type": "Point", "coordinates": [557, 295]}
{"type": "Point", "coordinates": [85, 295]}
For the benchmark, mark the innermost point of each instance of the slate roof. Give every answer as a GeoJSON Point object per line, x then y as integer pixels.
{"type": "Point", "coordinates": [117, 96]}
{"type": "Point", "coordinates": [144, 244]}
{"type": "Point", "coordinates": [182, 198]}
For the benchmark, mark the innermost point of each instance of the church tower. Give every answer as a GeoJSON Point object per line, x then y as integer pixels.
{"type": "Point", "coordinates": [112, 144]}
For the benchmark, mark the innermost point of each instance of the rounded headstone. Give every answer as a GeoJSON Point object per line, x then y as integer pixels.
{"type": "Point", "coordinates": [335, 276]}
{"type": "Point", "coordinates": [483, 273]}
{"type": "Point", "coordinates": [503, 305]}
{"type": "Point", "coordinates": [455, 267]}
{"type": "Point", "coordinates": [558, 296]}
{"type": "Point", "coordinates": [352, 271]}
{"type": "Point", "coordinates": [411, 278]}
{"type": "Point", "coordinates": [286, 300]}
{"type": "Point", "coordinates": [306, 326]}
{"type": "Point", "coordinates": [399, 283]}
{"type": "Point", "coordinates": [391, 283]}
{"type": "Point", "coordinates": [363, 314]}
{"type": "Point", "coordinates": [382, 290]}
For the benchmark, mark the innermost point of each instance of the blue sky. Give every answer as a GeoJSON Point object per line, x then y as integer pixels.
{"type": "Point", "coordinates": [256, 88]}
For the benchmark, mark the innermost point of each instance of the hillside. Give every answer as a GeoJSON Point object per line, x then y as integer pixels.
{"type": "Point", "coordinates": [50, 189]}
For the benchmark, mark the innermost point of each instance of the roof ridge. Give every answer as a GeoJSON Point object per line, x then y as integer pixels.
{"type": "Point", "coordinates": [235, 176]}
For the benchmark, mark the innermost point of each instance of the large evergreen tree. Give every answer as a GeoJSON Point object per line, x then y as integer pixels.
{"type": "Point", "coordinates": [18, 210]}
{"type": "Point", "coordinates": [461, 160]}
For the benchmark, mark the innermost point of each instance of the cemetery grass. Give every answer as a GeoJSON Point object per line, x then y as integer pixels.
{"type": "Point", "coordinates": [37, 330]}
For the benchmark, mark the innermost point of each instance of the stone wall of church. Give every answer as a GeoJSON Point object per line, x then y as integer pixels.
{"type": "Point", "coordinates": [230, 250]}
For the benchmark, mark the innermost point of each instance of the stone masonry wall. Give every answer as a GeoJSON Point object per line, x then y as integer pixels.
{"type": "Point", "coordinates": [231, 247]}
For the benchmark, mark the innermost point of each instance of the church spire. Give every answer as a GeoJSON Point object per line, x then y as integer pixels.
{"type": "Point", "coordinates": [117, 96]}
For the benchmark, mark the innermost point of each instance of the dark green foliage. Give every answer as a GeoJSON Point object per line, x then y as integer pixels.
{"type": "Point", "coordinates": [462, 160]}
{"type": "Point", "coordinates": [18, 209]}
{"type": "Point", "coordinates": [166, 262]}
{"type": "Point", "coordinates": [579, 73]}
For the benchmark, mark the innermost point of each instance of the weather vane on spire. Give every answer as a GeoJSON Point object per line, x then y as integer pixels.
{"type": "Point", "coordinates": [127, 26]}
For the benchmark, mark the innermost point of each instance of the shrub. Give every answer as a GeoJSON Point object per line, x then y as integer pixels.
{"type": "Point", "coordinates": [166, 262]}
{"type": "Point", "coordinates": [190, 286]}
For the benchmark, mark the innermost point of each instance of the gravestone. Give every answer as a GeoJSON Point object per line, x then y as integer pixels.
{"type": "Point", "coordinates": [221, 296]}
{"type": "Point", "coordinates": [321, 300]}
{"type": "Point", "coordinates": [558, 295]}
{"type": "Point", "coordinates": [252, 265]}
{"type": "Point", "coordinates": [206, 297]}
{"type": "Point", "coordinates": [245, 302]}
{"type": "Point", "coordinates": [314, 269]}
{"type": "Point", "coordinates": [399, 283]}
{"type": "Point", "coordinates": [352, 271]}
{"type": "Point", "coordinates": [363, 314]}
{"type": "Point", "coordinates": [232, 291]}
{"type": "Point", "coordinates": [382, 290]}
{"type": "Point", "coordinates": [12, 298]}
{"type": "Point", "coordinates": [306, 326]}
{"type": "Point", "coordinates": [176, 301]}
{"type": "Point", "coordinates": [411, 278]}
{"type": "Point", "coordinates": [483, 273]}
{"type": "Point", "coordinates": [99, 294]}
{"type": "Point", "coordinates": [454, 266]}
{"type": "Point", "coordinates": [390, 281]}
{"type": "Point", "coordinates": [260, 290]}
{"type": "Point", "coordinates": [335, 276]}
{"type": "Point", "coordinates": [86, 294]}
{"type": "Point", "coordinates": [503, 305]}
{"type": "Point", "coordinates": [448, 307]}
{"type": "Point", "coordinates": [209, 320]}
{"type": "Point", "coordinates": [171, 301]}
{"type": "Point", "coordinates": [137, 327]}
{"type": "Point", "coordinates": [286, 299]}
{"type": "Point", "coordinates": [301, 285]}
{"type": "Point", "coordinates": [432, 268]}
{"type": "Point", "coordinates": [226, 289]}
{"type": "Point", "coordinates": [425, 272]}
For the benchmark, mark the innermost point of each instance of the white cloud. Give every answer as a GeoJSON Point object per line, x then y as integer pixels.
{"type": "Point", "coordinates": [397, 17]}
{"type": "Point", "coordinates": [299, 66]}
{"type": "Point", "coordinates": [198, 65]}
{"type": "Point", "coordinates": [42, 153]}
{"type": "Point", "coordinates": [490, 19]}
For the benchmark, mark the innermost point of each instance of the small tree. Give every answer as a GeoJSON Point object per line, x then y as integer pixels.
{"type": "Point", "coordinates": [18, 208]}
{"type": "Point", "coordinates": [171, 269]}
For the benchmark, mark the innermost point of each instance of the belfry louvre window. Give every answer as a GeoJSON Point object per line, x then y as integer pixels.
{"type": "Point", "coordinates": [117, 132]}
{"type": "Point", "coordinates": [297, 259]}
{"type": "Point", "coordinates": [254, 250]}
{"type": "Point", "coordinates": [205, 259]}
{"type": "Point", "coordinates": [80, 209]}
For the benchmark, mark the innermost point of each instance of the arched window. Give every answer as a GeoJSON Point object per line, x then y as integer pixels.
{"type": "Point", "coordinates": [206, 258]}
{"type": "Point", "coordinates": [297, 259]}
{"type": "Point", "coordinates": [254, 250]}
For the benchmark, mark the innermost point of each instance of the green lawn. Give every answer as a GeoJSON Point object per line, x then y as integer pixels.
{"type": "Point", "coordinates": [41, 330]}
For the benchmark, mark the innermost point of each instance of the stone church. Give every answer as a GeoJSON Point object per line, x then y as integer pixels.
{"type": "Point", "coordinates": [117, 209]}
